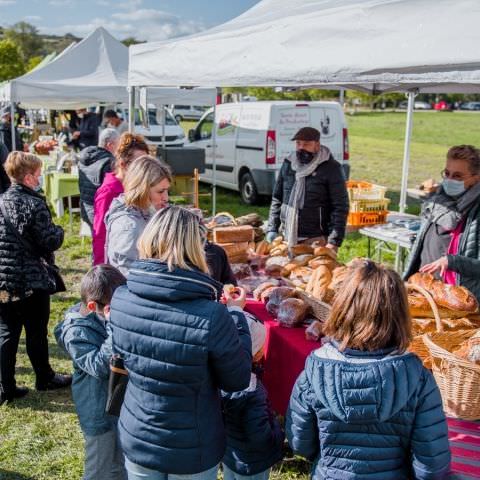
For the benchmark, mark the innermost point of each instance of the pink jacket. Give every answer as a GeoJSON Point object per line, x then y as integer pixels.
{"type": "Point", "coordinates": [110, 189]}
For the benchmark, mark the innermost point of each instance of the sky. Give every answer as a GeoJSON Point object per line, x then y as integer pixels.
{"type": "Point", "coordinates": [149, 20]}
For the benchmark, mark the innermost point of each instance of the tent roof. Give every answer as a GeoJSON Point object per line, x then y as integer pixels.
{"type": "Point", "coordinates": [372, 45]}
{"type": "Point", "coordinates": [94, 70]}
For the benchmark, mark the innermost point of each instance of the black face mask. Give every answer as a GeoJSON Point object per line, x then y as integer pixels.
{"type": "Point", "coordinates": [304, 157]}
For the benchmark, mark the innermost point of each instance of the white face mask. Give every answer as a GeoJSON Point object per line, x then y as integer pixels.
{"type": "Point", "coordinates": [80, 115]}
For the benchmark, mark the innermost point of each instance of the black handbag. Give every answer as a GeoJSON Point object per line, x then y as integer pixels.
{"type": "Point", "coordinates": [52, 269]}
{"type": "Point", "coordinates": [117, 385]}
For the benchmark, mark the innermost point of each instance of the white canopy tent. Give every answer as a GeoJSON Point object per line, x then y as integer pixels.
{"type": "Point", "coordinates": [370, 45]}
{"type": "Point", "coordinates": [92, 71]}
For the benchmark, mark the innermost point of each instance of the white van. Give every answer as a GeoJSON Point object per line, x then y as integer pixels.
{"type": "Point", "coordinates": [253, 139]}
{"type": "Point", "coordinates": [174, 134]}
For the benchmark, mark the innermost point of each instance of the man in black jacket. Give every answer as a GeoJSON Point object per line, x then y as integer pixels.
{"type": "Point", "coordinates": [310, 199]}
{"type": "Point", "coordinates": [94, 163]}
{"type": "Point", "coordinates": [4, 180]}
{"type": "Point", "coordinates": [87, 133]}
{"type": "Point", "coordinates": [6, 131]}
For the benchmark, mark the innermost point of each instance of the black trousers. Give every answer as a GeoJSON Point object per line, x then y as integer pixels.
{"type": "Point", "coordinates": [32, 313]}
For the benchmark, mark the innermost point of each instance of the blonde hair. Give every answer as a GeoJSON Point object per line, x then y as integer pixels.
{"type": "Point", "coordinates": [173, 236]}
{"type": "Point", "coordinates": [143, 174]}
{"type": "Point", "coordinates": [371, 310]}
{"type": "Point", "coordinates": [20, 164]}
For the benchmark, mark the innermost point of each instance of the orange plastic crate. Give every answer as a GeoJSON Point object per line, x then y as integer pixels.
{"type": "Point", "coordinates": [359, 219]}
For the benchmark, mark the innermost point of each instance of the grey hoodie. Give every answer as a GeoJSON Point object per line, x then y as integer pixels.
{"type": "Point", "coordinates": [124, 225]}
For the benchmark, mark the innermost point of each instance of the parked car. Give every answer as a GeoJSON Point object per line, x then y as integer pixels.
{"type": "Point", "coordinates": [253, 139]}
{"type": "Point", "coordinates": [186, 112]}
{"type": "Point", "coordinates": [470, 106]}
{"type": "Point", "coordinates": [442, 106]}
{"type": "Point", "coordinates": [418, 105]}
{"type": "Point", "coordinates": [174, 134]}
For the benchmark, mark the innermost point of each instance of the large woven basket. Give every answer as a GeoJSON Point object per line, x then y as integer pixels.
{"type": "Point", "coordinates": [417, 344]}
{"type": "Point", "coordinates": [320, 310]}
{"type": "Point", "coordinates": [457, 379]}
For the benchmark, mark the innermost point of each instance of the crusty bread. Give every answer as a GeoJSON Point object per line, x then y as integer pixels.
{"type": "Point", "coordinates": [325, 251]}
{"type": "Point", "coordinates": [451, 297]}
{"type": "Point", "coordinates": [244, 233]}
{"type": "Point", "coordinates": [301, 249]}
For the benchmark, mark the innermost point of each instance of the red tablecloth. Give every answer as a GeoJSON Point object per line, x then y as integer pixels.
{"type": "Point", "coordinates": [286, 350]}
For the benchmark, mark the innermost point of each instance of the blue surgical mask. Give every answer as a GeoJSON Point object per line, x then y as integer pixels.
{"type": "Point", "coordinates": [453, 188]}
{"type": "Point", "coordinates": [40, 183]}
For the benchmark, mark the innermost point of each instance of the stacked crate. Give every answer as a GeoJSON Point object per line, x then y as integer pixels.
{"type": "Point", "coordinates": [368, 205]}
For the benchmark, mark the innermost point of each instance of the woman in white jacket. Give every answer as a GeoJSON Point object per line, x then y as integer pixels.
{"type": "Point", "coordinates": [146, 187]}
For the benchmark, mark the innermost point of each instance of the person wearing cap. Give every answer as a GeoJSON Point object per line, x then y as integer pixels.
{"type": "Point", "coordinates": [310, 199]}
{"type": "Point", "coordinates": [112, 120]}
{"type": "Point", "coordinates": [6, 131]}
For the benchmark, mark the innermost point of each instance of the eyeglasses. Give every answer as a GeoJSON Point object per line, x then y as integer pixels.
{"type": "Point", "coordinates": [454, 176]}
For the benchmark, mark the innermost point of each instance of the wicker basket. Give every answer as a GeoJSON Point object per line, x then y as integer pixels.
{"type": "Point", "coordinates": [457, 379]}
{"type": "Point", "coordinates": [320, 310]}
{"type": "Point", "coordinates": [417, 345]}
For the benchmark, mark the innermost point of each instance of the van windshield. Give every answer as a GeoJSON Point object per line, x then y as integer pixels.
{"type": "Point", "coordinates": [155, 117]}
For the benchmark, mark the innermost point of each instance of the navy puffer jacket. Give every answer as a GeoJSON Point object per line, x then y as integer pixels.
{"type": "Point", "coordinates": [377, 420]}
{"type": "Point", "coordinates": [254, 436]}
{"type": "Point", "coordinates": [180, 346]}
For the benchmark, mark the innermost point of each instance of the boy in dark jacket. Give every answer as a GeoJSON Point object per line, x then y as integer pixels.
{"type": "Point", "coordinates": [86, 336]}
{"type": "Point", "coordinates": [254, 436]}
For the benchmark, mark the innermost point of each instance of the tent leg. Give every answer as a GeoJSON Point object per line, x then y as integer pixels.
{"type": "Point", "coordinates": [214, 162]}
{"type": "Point", "coordinates": [406, 152]}
{"type": "Point", "coordinates": [12, 124]}
{"type": "Point", "coordinates": [131, 108]}
{"type": "Point", "coordinates": [164, 121]}
{"type": "Point", "coordinates": [341, 97]}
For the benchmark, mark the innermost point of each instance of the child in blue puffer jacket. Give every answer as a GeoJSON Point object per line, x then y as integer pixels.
{"type": "Point", "coordinates": [364, 408]}
{"type": "Point", "coordinates": [254, 436]}
{"type": "Point", "coordinates": [85, 334]}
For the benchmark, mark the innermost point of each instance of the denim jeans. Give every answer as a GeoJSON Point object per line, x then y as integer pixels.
{"type": "Point", "coordinates": [137, 472]}
{"type": "Point", "coordinates": [104, 457]}
{"type": "Point", "coordinates": [231, 475]}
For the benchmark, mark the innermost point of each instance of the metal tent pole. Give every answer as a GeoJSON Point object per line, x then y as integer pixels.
{"type": "Point", "coordinates": [406, 152]}
{"type": "Point", "coordinates": [131, 108]}
{"type": "Point", "coordinates": [214, 162]}
{"type": "Point", "coordinates": [164, 120]}
{"type": "Point", "coordinates": [12, 124]}
{"type": "Point", "coordinates": [341, 97]}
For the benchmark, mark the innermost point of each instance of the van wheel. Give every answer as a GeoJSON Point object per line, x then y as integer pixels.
{"type": "Point", "coordinates": [178, 118]}
{"type": "Point", "coordinates": [248, 189]}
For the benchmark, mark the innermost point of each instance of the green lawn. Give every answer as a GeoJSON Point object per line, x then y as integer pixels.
{"type": "Point", "coordinates": [39, 435]}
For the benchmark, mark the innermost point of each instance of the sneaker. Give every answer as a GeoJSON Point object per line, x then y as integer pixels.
{"type": "Point", "coordinates": [56, 382]}
{"type": "Point", "coordinates": [19, 392]}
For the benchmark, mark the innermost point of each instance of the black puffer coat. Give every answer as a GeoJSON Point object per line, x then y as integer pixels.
{"type": "Point", "coordinates": [94, 163]}
{"type": "Point", "coordinates": [325, 208]}
{"type": "Point", "coordinates": [22, 271]}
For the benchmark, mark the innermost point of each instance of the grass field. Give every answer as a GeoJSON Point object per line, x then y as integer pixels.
{"type": "Point", "coordinates": [39, 435]}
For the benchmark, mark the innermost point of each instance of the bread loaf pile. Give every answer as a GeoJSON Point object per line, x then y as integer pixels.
{"type": "Point", "coordinates": [236, 241]}
{"type": "Point", "coordinates": [307, 267]}
{"type": "Point", "coordinates": [470, 349]}
{"type": "Point", "coordinates": [453, 301]}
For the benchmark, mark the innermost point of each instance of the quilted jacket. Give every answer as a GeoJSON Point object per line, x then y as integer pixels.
{"type": "Point", "coordinates": [380, 419]}
{"type": "Point", "coordinates": [22, 271]}
{"type": "Point", "coordinates": [180, 346]}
